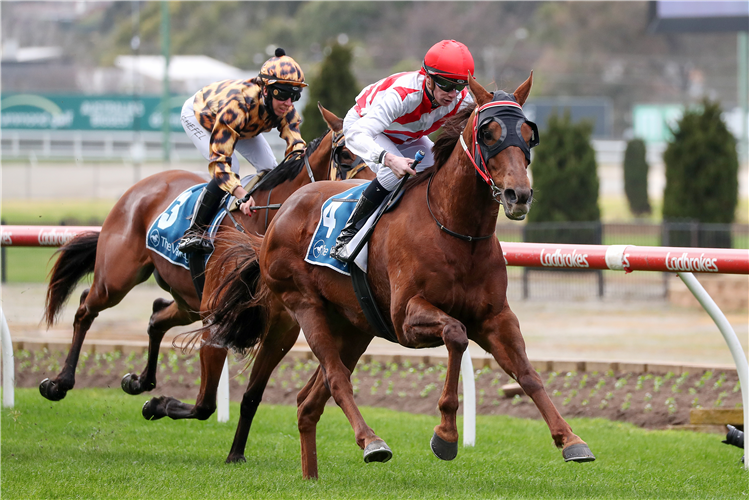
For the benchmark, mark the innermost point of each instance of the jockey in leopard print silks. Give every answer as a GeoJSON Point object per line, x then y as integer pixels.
{"type": "Point", "coordinates": [228, 117]}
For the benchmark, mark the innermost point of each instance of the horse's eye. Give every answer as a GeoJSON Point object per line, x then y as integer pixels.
{"type": "Point", "coordinates": [487, 137]}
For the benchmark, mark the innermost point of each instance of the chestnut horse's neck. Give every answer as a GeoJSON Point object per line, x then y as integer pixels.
{"type": "Point", "coordinates": [460, 200]}
{"type": "Point", "coordinates": [320, 159]}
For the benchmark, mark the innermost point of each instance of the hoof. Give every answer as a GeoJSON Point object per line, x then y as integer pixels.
{"type": "Point", "coordinates": [149, 412]}
{"type": "Point", "coordinates": [235, 459]}
{"type": "Point", "coordinates": [132, 385]}
{"type": "Point", "coordinates": [443, 449]}
{"type": "Point", "coordinates": [49, 390]}
{"type": "Point", "coordinates": [127, 385]}
{"type": "Point", "coordinates": [578, 453]}
{"type": "Point", "coordinates": [377, 451]}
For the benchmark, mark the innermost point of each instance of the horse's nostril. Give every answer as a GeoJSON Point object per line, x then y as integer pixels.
{"type": "Point", "coordinates": [524, 196]}
{"type": "Point", "coordinates": [510, 196]}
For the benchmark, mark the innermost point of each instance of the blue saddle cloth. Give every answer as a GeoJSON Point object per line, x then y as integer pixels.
{"type": "Point", "coordinates": [168, 228]}
{"type": "Point", "coordinates": [334, 214]}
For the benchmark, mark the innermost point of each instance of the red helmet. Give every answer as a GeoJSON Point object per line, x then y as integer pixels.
{"type": "Point", "coordinates": [449, 59]}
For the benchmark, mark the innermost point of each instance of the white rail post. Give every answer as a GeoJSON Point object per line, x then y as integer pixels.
{"type": "Point", "coordinates": [9, 375]}
{"type": "Point", "coordinates": [469, 400]}
{"type": "Point", "coordinates": [739, 357]}
{"type": "Point", "coordinates": [222, 396]}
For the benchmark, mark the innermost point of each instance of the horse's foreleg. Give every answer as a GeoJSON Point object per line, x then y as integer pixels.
{"type": "Point", "coordinates": [422, 324]}
{"type": "Point", "coordinates": [502, 338]}
{"type": "Point", "coordinates": [211, 364]}
{"type": "Point", "coordinates": [271, 352]}
{"type": "Point", "coordinates": [166, 315]}
{"type": "Point", "coordinates": [57, 388]}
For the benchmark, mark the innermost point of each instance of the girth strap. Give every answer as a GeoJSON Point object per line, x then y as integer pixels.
{"type": "Point", "coordinates": [368, 305]}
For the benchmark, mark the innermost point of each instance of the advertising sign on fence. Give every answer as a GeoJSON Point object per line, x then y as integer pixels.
{"type": "Point", "coordinates": [76, 112]}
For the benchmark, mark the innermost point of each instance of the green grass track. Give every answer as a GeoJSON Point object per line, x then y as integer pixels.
{"type": "Point", "coordinates": [95, 444]}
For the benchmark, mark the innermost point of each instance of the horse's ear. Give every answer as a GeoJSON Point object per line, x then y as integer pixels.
{"type": "Point", "coordinates": [334, 123]}
{"type": "Point", "coordinates": [480, 94]}
{"type": "Point", "coordinates": [522, 92]}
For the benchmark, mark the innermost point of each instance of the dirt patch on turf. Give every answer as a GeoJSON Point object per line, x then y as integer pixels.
{"type": "Point", "coordinates": [644, 399]}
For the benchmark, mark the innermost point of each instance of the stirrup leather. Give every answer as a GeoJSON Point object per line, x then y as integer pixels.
{"type": "Point", "coordinates": [364, 208]}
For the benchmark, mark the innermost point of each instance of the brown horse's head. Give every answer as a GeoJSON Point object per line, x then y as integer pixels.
{"type": "Point", "coordinates": [344, 163]}
{"type": "Point", "coordinates": [499, 137]}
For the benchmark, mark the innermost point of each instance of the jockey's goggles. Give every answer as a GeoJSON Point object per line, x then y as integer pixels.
{"type": "Point", "coordinates": [284, 92]}
{"type": "Point", "coordinates": [447, 85]}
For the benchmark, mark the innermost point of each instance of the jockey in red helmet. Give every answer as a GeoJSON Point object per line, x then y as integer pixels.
{"type": "Point", "coordinates": [392, 118]}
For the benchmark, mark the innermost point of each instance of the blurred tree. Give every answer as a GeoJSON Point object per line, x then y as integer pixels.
{"type": "Point", "coordinates": [565, 184]}
{"type": "Point", "coordinates": [565, 176]}
{"type": "Point", "coordinates": [636, 177]}
{"type": "Point", "coordinates": [334, 87]}
{"type": "Point", "coordinates": [701, 175]}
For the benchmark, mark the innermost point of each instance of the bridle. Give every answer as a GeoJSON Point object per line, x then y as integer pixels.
{"type": "Point", "coordinates": [492, 112]}
{"type": "Point", "coordinates": [338, 170]}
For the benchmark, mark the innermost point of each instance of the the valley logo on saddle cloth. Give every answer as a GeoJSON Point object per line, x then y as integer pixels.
{"type": "Point", "coordinates": [166, 231]}
{"type": "Point", "coordinates": [335, 212]}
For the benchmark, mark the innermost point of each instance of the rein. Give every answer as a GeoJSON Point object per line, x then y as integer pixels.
{"type": "Point", "coordinates": [337, 142]}
{"type": "Point", "coordinates": [448, 231]}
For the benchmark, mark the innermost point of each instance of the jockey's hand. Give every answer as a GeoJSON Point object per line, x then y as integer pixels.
{"type": "Point", "coordinates": [399, 165]}
{"type": "Point", "coordinates": [239, 193]}
{"type": "Point", "coordinates": [246, 207]}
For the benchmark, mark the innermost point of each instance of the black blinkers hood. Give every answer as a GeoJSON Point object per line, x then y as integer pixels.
{"type": "Point", "coordinates": [508, 113]}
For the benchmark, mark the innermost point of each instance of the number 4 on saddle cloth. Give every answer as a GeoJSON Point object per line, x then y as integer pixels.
{"type": "Point", "coordinates": [335, 212]}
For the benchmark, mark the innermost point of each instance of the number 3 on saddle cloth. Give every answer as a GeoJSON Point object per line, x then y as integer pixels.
{"type": "Point", "coordinates": [168, 228]}
{"type": "Point", "coordinates": [335, 212]}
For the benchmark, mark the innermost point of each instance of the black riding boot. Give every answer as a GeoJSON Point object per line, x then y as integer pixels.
{"type": "Point", "coordinates": [367, 204]}
{"type": "Point", "coordinates": [194, 241]}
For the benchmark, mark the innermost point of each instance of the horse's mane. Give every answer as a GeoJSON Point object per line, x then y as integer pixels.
{"type": "Point", "coordinates": [445, 144]}
{"type": "Point", "coordinates": [288, 169]}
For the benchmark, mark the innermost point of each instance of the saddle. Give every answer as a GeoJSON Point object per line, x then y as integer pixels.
{"type": "Point", "coordinates": [228, 205]}
{"type": "Point", "coordinates": [334, 214]}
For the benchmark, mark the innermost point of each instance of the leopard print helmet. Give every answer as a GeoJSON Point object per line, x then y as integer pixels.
{"type": "Point", "coordinates": [282, 69]}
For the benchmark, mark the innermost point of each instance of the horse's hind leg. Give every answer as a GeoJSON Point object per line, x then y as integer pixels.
{"type": "Point", "coordinates": [211, 365]}
{"type": "Point", "coordinates": [57, 388]}
{"type": "Point", "coordinates": [94, 300]}
{"type": "Point", "coordinates": [271, 352]}
{"type": "Point", "coordinates": [166, 314]}
{"type": "Point", "coordinates": [502, 338]}
{"type": "Point", "coordinates": [311, 404]}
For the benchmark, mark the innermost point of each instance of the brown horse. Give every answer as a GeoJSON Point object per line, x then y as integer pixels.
{"type": "Point", "coordinates": [437, 283]}
{"type": "Point", "coordinates": [119, 259]}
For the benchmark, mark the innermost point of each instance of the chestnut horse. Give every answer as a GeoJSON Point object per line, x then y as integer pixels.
{"type": "Point", "coordinates": [436, 283]}
{"type": "Point", "coordinates": [120, 260]}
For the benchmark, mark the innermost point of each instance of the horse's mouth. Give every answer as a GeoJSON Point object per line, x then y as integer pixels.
{"type": "Point", "coordinates": [516, 207]}
{"type": "Point", "coordinates": [516, 211]}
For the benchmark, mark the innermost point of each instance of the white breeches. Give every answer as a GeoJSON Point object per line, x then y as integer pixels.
{"type": "Point", "coordinates": [256, 149]}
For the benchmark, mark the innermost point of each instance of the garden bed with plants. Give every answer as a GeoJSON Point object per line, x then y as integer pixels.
{"type": "Point", "coordinates": [644, 399]}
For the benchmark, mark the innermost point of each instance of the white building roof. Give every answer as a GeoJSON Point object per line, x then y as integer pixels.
{"type": "Point", "coordinates": [194, 71]}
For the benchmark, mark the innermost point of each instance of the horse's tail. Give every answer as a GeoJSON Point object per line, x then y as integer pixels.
{"type": "Point", "coordinates": [77, 259]}
{"type": "Point", "coordinates": [238, 307]}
